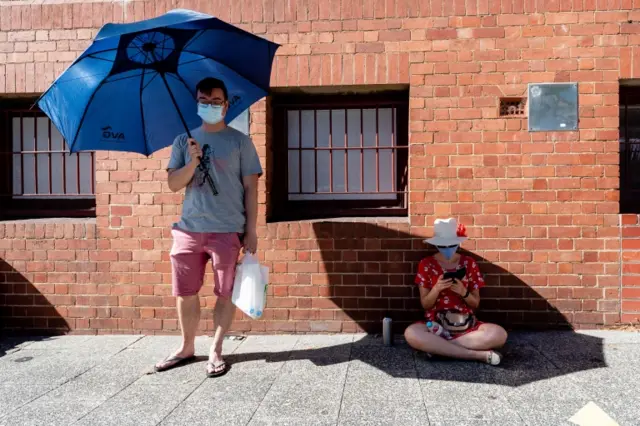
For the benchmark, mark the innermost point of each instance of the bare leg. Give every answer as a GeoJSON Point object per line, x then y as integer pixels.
{"type": "Point", "coordinates": [487, 336]}
{"type": "Point", "coordinates": [223, 315]}
{"type": "Point", "coordinates": [418, 337]}
{"type": "Point", "coordinates": [189, 315]}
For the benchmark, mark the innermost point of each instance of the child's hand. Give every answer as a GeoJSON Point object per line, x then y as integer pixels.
{"type": "Point", "coordinates": [458, 287]}
{"type": "Point", "coordinates": [442, 284]}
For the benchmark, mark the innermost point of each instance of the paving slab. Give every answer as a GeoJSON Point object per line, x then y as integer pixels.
{"type": "Point", "coordinates": [15, 395]}
{"type": "Point", "coordinates": [138, 404]}
{"type": "Point", "coordinates": [52, 408]}
{"type": "Point", "coordinates": [384, 415]}
{"type": "Point", "coordinates": [393, 360]}
{"type": "Point", "coordinates": [228, 400]}
{"type": "Point", "coordinates": [624, 411]}
{"type": "Point", "coordinates": [471, 408]}
{"type": "Point", "coordinates": [374, 396]}
{"type": "Point", "coordinates": [547, 412]}
{"type": "Point", "coordinates": [439, 377]}
{"type": "Point", "coordinates": [312, 397]}
{"type": "Point", "coordinates": [304, 391]}
{"type": "Point", "coordinates": [47, 367]}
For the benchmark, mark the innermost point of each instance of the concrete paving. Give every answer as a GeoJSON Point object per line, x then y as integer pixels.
{"type": "Point", "coordinates": [545, 379]}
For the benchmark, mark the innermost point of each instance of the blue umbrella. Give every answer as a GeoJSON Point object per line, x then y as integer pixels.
{"type": "Point", "coordinates": [133, 89]}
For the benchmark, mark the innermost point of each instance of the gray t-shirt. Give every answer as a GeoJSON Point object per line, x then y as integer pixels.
{"type": "Point", "coordinates": [229, 155]}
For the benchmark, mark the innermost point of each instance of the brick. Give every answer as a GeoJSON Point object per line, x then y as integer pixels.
{"type": "Point", "coordinates": [42, 46]}
{"type": "Point", "coordinates": [441, 34]}
{"type": "Point", "coordinates": [394, 36]}
{"type": "Point", "coordinates": [370, 48]}
{"type": "Point", "coordinates": [63, 34]}
{"type": "Point", "coordinates": [14, 36]}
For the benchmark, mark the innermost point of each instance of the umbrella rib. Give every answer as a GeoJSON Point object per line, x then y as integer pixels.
{"type": "Point", "coordinates": [175, 104]}
{"type": "Point", "coordinates": [149, 82]}
{"type": "Point", "coordinates": [84, 114]}
{"type": "Point", "coordinates": [227, 66]}
{"type": "Point", "coordinates": [101, 59]}
{"type": "Point", "coordinates": [122, 78]}
{"type": "Point", "coordinates": [200, 32]}
{"type": "Point", "coordinates": [195, 60]}
{"type": "Point", "coordinates": [144, 128]}
{"type": "Point", "coordinates": [180, 79]}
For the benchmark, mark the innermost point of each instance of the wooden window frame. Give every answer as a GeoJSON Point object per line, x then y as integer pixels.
{"type": "Point", "coordinates": [14, 207]}
{"type": "Point", "coordinates": [284, 209]}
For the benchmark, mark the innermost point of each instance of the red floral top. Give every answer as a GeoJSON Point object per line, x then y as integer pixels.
{"type": "Point", "coordinates": [428, 272]}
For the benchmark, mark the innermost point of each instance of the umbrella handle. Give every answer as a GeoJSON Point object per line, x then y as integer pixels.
{"type": "Point", "coordinates": [193, 143]}
{"type": "Point", "coordinates": [206, 173]}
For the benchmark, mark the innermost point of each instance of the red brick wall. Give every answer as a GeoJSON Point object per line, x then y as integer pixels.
{"type": "Point", "coordinates": [541, 208]}
{"type": "Point", "coordinates": [630, 268]}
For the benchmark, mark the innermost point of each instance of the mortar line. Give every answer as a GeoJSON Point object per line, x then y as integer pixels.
{"type": "Point", "coordinates": [274, 380]}
{"type": "Point", "coordinates": [415, 367]}
{"type": "Point", "coordinates": [620, 270]}
{"type": "Point", "coordinates": [346, 377]}
{"type": "Point", "coordinates": [117, 393]}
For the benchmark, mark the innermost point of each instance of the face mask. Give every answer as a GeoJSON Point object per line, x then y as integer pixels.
{"type": "Point", "coordinates": [211, 114]}
{"type": "Point", "coordinates": [448, 252]}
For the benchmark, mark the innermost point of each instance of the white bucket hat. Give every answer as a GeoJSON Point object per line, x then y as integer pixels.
{"type": "Point", "coordinates": [447, 233]}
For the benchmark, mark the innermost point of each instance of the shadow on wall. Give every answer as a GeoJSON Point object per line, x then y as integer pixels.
{"type": "Point", "coordinates": [371, 271]}
{"type": "Point", "coordinates": [24, 310]}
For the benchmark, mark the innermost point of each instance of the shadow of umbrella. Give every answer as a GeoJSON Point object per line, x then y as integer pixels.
{"type": "Point", "coordinates": [24, 311]}
{"type": "Point", "coordinates": [529, 358]}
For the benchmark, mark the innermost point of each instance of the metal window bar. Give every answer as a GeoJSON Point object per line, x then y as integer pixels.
{"type": "Point", "coordinates": [362, 152]}
{"type": "Point", "coordinates": [331, 149]}
{"type": "Point", "coordinates": [20, 155]}
{"type": "Point", "coordinates": [300, 150]}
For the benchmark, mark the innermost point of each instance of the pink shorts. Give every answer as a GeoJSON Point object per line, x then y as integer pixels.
{"type": "Point", "coordinates": [190, 254]}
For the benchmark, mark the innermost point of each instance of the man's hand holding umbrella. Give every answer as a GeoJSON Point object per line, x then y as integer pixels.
{"type": "Point", "coordinates": [181, 178]}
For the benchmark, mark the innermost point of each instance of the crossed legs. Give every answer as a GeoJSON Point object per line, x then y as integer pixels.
{"type": "Point", "coordinates": [476, 345]}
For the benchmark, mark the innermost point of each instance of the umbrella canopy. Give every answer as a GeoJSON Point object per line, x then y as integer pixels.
{"type": "Point", "coordinates": [133, 89]}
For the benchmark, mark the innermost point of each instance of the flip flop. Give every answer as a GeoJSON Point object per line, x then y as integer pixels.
{"type": "Point", "coordinates": [172, 362]}
{"type": "Point", "coordinates": [216, 370]}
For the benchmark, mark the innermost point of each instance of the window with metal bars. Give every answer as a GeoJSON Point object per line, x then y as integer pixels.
{"type": "Point", "coordinates": [339, 155]}
{"type": "Point", "coordinates": [629, 149]}
{"type": "Point", "coordinates": [38, 176]}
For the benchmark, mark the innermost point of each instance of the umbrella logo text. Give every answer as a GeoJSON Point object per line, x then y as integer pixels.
{"type": "Point", "coordinates": [109, 135]}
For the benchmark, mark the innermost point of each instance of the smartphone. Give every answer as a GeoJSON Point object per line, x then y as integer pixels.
{"type": "Point", "coordinates": [459, 274]}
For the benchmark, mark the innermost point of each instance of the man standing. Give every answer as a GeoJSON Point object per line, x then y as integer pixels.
{"type": "Point", "coordinates": [220, 168]}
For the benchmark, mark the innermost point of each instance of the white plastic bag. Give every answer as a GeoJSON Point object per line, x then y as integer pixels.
{"type": "Point", "coordinates": [250, 286]}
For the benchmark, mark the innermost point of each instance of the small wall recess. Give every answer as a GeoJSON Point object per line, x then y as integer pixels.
{"type": "Point", "coordinates": [513, 107]}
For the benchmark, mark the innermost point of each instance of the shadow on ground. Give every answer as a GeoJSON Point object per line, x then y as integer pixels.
{"type": "Point", "coordinates": [24, 311]}
{"type": "Point", "coordinates": [528, 358]}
